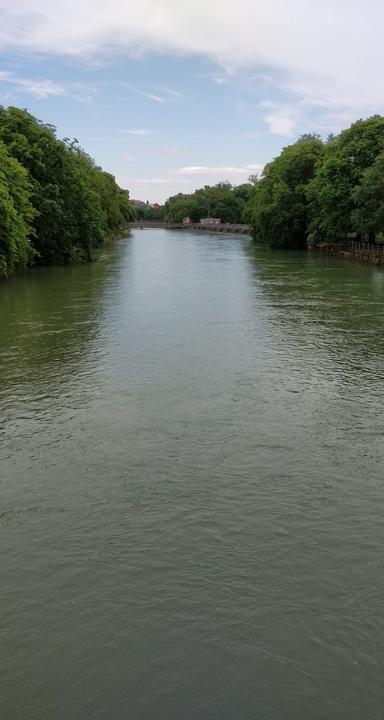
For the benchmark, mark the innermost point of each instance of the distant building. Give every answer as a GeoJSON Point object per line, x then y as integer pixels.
{"type": "Point", "coordinates": [210, 221]}
{"type": "Point", "coordinates": [186, 221]}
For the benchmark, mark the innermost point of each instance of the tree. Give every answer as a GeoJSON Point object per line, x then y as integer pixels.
{"type": "Point", "coordinates": [280, 212]}
{"type": "Point", "coordinates": [16, 215]}
{"type": "Point", "coordinates": [76, 204]}
{"type": "Point", "coordinates": [177, 208]}
{"type": "Point", "coordinates": [222, 200]}
{"type": "Point", "coordinates": [244, 194]}
{"type": "Point", "coordinates": [332, 191]}
{"type": "Point", "coordinates": [229, 208]}
{"type": "Point", "coordinates": [149, 212]}
{"type": "Point", "coordinates": [368, 197]}
{"type": "Point", "coordinates": [253, 179]}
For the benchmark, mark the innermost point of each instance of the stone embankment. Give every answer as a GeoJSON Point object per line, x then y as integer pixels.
{"type": "Point", "coordinates": [222, 228]}
{"type": "Point", "coordinates": [359, 251]}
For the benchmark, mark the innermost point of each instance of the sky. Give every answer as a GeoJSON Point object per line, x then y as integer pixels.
{"type": "Point", "coordinates": [170, 95]}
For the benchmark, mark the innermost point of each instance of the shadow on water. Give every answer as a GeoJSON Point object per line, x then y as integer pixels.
{"type": "Point", "coordinates": [324, 303]}
{"type": "Point", "coordinates": [53, 343]}
{"type": "Point", "coordinates": [324, 346]}
{"type": "Point", "coordinates": [49, 318]}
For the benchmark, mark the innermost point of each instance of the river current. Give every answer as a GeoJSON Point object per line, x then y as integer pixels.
{"type": "Point", "coordinates": [192, 485]}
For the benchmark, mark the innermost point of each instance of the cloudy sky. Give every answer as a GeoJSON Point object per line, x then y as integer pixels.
{"type": "Point", "coordinates": [172, 94]}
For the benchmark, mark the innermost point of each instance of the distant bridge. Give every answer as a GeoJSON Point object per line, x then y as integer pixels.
{"type": "Point", "coordinates": [209, 227]}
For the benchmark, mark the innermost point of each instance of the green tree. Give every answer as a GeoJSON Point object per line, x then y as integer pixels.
{"type": "Point", "coordinates": [178, 207]}
{"type": "Point", "coordinates": [150, 213]}
{"type": "Point", "coordinates": [77, 205]}
{"type": "Point", "coordinates": [280, 211]}
{"type": "Point", "coordinates": [221, 200]}
{"type": "Point", "coordinates": [230, 208]}
{"type": "Point", "coordinates": [368, 197]}
{"type": "Point", "coordinates": [245, 194]}
{"type": "Point", "coordinates": [16, 215]}
{"type": "Point", "coordinates": [332, 191]}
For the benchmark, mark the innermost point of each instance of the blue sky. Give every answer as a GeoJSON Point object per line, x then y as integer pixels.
{"type": "Point", "coordinates": [171, 95]}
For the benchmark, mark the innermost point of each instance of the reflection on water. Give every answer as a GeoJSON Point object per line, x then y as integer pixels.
{"type": "Point", "coordinates": [339, 302]}
{"type": "Point", "coordinates": [191, 484]}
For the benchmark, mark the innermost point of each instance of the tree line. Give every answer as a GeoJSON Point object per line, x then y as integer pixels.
{"type": "Point", "coordinates": [56, 204]}
{"type": "Point", "coordinates": [225, 201]}
{"type": "Point", "coordinates": [323, 191]}
{"type": "Point", "coordinates": [313, 191]}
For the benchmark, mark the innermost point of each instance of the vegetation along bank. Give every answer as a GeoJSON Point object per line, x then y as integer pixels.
{"type": "Point", "coordinates": [314, 192]}
{"type": "Point", "coordinates": [324, 192]}
{"type": "Point", "coordinates": [56, 204]}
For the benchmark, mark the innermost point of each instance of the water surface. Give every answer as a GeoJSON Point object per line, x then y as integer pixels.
{"type": "Point", "coordinates": [191, 487]}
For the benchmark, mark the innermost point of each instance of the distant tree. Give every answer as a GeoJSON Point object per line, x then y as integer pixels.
{"type": "Point", "coordinates": [229, 209]}
{"type": "Point", "coordinates": [199, 207]}
{"type": "Point", "coordinates": [223, 200]}
{"type": "Point", "coordinates": [178, 207]}
{"type": "Point", "coordinates": [149, 212]}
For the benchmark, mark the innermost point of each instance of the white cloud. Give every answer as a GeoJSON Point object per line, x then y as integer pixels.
{"type": "Point", "coordinates": [281, 119]}
{"type": "Point", "coordinates": [220, 170]}
{"type": "Point", "coordinates": [42, 88]}
{"type": "Point", "coordinates": [280, 124]}
{"type": "Point", "coordinates": [327, 50]}
{"type": "Point", "coordinates": [215, 78]}
{"type": "Point", "coordinates": [166, 94]}
{"type": "Point", "coordinates": [150, 181]}
{"type": "Point", "coordinates": [158, 189]}
{"type": "Point", "coordinates": [83, 92]}
{"type": "Point", "coordinates": [154, 98]}
{"type": "Point", "coordinates": [186, 179]}
{"type": "Point", "coordinates": [172, 93]}
{"type": "Point", "coordinates": [37, 88]}
{"type": "Point", "coordinates": [140, 132]}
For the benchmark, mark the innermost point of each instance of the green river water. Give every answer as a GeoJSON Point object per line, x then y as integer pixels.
{"type": "Point", "coordinates": [192, 485]}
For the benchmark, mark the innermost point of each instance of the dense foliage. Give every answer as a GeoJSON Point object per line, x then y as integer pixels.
{"type": "Point", "coordinates": [223, 201]}
{"type": "Point", "coordinates": [56, 205]}
{"type": "Point", "coordinates": [16, 214]}
{"type": "Point", "coordinates": [323, 191]}
{"type": "Point", "coordinates": [313, 191]}
{"type": "Point", "coordinates": [280, 213]}
{"type": "Point", "coordinates": [148, 213]}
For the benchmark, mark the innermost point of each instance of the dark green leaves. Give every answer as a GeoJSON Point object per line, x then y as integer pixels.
{"type": "Point", "coordinates": [16, 215]}
{"type": "Point", "coordinates": [325, 191]}
{"type": "Point", "coordinates": [76, 205]}
{"type": "Point", "coordinates": [280, 211]}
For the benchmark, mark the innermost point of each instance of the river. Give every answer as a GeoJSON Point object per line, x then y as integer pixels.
{"type": "Point", "coordinates": [191, 490]}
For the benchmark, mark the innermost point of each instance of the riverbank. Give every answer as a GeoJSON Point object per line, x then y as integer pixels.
{"type": "Point", "coordinates": [232, 228]}
{"type": "Point", "coordinates": [78, 257]}
{"type": "Point", "coordinates": [356, 251]}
